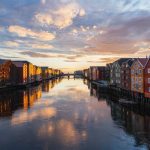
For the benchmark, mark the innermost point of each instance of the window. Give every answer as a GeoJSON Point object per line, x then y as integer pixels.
{"type": "Point", "coordinates": [140, 71]}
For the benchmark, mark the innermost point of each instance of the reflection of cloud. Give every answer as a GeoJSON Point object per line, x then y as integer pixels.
{"type": "Point", "coordinates": [65, 131]}
{"type": "Point", "coordinates": [30, 116]}
{"type": "Point", "coordinates": [24, 32]}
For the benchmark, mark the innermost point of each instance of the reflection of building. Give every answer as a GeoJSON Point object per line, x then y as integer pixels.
{"type": "Point", "coordinates": [13, 100]}
{"type": "Point", "coordinates": [134, 124]}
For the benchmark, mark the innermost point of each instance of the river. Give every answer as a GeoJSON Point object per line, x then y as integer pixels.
{"type": "Point", "coordinates": [67, 114]}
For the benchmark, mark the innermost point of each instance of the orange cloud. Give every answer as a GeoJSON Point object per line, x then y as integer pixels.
{"type": "Point", "coordinates": [24, 32]}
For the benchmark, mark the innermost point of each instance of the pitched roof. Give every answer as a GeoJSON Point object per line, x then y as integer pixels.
{"type": "Point", "coordinates": [143, 61]}
{"type": "Point", "coordinates": [122, 60]}
{"type": "Point", "coordinates": [130, 61]}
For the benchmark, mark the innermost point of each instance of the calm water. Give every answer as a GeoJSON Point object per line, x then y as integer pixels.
{"type": "Point", "coordinates": [68, 115]}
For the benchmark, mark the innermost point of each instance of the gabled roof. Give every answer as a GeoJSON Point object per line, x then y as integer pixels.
{"type": "Point", "coordinates": [130, 61]}
{"type": "Point", "coordinates": [122, 60]}
{"type": "Point", "coordinates": [147, 62]}
{"type": "Point", "coordinates": [143, 61]}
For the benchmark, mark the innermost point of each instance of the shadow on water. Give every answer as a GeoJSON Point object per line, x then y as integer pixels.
{"type": "Point", "coordinates": [135, 120]}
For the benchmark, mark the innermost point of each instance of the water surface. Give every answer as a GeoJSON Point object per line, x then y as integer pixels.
{"type": "Point", "coordinates": [69, 115]}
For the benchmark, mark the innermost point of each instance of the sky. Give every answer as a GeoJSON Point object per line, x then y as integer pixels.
{"type": "Point", "coordinates": [74, 34]}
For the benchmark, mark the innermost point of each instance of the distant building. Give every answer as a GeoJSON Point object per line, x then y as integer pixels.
{"type": "Point", "coordinates": [115, 73]}
{"type": "Point", "coordinates": [86, 73]}
{"type": "Point", "coordinates": [45, 72]}
{"type": "Point", "coordinates": [97, 73]}
{"type": "Point", "coordinates": [126, 74]}
{"type": "Point", "coordinates": [147, 79]}
{"type": "Point", "coordinates": [38, 75]}
{"type": "Point", "coordinates": [137, 75]}
{"type": "Point", "coordinates": [78, 72]}
{"type": "Point", "coordinates": [108, 69]}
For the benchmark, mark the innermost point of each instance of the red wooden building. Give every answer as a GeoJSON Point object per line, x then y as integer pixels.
{"type": "Point", "coordinates": [147, 79]}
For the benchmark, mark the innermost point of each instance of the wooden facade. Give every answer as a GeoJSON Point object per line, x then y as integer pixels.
{"type": "Point", "coordinates": [115, 72]}
{"type": "Point", "coordinates": [7, 72]}
{"type": "Point", "coordinates": [126, 74]}
{"type": "Point", "coordinates": [137, 75]}
{"type": "Point", "coordinates": [21, 72]}
{"type": "Point", "coordinates": [147, 79]}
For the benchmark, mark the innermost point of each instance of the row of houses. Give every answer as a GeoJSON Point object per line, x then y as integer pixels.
{"type": "Point", "coordinates": [24, 72]}
{"type": "Point", "coordinates": [132, 74]}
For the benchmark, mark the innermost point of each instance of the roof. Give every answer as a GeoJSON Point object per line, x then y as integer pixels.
{"type": "Point", "coordinates": [23, 61]}
{"type": "Point", "coordinates": [130, 61]}
{"type": "Point", "coordinates": [2, 61]}
{"type": "Point", "coordinates": [122, 60]}
{"type": "Point", "coordinates": [18, 63]}
{"type": "Point", "coordinates": [143, 61]}
{"type": "Point", "coordinates": [43, 68]}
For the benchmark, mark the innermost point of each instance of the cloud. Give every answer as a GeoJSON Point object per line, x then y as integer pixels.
{"type": "Point", "coordinates": [24, 32]}
{"type": "Point", "coordinates": [1, 28]}
{"type": "Point", "coordinates": [11, 44]}
{"type": "Point", "coordinates": [104, 60]}
{"type": "Point", "coordinates": [35, 55]}
{"type": "Point", "coordinates": [62, 16]}
{"type": "Point", "coordinates": [41, 46]}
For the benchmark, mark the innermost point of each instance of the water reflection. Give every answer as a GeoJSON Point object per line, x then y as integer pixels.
{"type": "Point", "coordinates": [134, 121]}
{"type": "Point", "coordinates": [23, 99]}
{"type": "Point", "coordinates": [70, 114]}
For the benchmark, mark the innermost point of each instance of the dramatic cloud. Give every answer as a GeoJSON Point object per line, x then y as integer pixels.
{"type": "Point", "coordinates": [60, 17]}
{"type": "Point", "coordinates": [75, 34]}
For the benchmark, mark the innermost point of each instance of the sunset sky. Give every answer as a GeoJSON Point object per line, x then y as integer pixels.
{"type": "Point", "coordinates": [74, 34]}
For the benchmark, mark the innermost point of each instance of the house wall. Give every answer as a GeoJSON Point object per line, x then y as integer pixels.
{"type": "Point", "coordinates": [147, 80]}
{"type": "Point", "coordinates": [137, 77]}
{"type": "Point", "coordinates": [125, 76]}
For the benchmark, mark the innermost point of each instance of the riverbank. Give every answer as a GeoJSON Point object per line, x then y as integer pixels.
{"type": "Point", "coordinates": [24, 86]}
{"type": "Point", "coordinates": [128, 95]}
